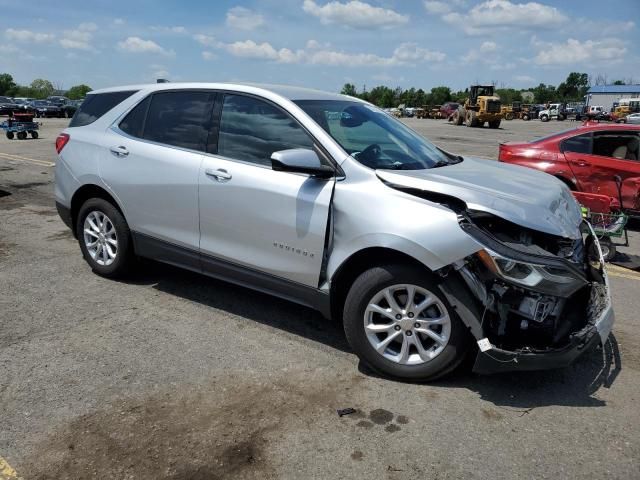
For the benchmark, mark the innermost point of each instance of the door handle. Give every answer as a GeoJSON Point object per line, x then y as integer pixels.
{"type": "Point", "coordinates": [220, 174]}
{"type": "Point", "coordinates": [119, 151]}
{"type": "Point", "coordinates": [580, 163]}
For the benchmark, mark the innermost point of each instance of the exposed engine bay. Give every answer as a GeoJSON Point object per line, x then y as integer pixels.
{"type": "Point", "coordinates": [534, 288]}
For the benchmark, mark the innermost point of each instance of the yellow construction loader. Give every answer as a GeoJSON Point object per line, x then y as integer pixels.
{"type": "Point", "coordinates": [481, 107]}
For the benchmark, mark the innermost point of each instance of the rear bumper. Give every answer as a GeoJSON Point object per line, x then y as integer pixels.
{"type": "Point", "coordinates": [65, 214]}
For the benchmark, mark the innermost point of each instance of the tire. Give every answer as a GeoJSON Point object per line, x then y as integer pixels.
{"type": "Point", "coordinates": [99, 259]}
{"type": "Point", "coordinates": [10, 135]}
{"type": "Point", "coordinates": [509, 116]}
{"type": "Point", "coordinates": [608, 249]}
{"type": "Point", "coordinates": [22, 135]}
{"type": "Point", "coordinates": [525, 117]}
{"type": "Point", "coordinates": [561, 118]}
{"type": "Point", "coordinates": [544, 118]}
{"type": "Point", "coordinates": [471, 120]}
{"type": "Point", "coordinates": [494, 124]}
{"type": "Point", "coordinates": [458, 116]}
{"type": "Point", "coordinates": [367, 289]}
{"type": "Point", "coordinates": [34, 135]}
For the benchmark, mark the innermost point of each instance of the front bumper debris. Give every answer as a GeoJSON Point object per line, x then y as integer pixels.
{"type": "Point", "coordinates": [597, 330]}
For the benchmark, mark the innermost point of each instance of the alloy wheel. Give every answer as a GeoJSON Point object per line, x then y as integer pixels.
{"type": "Point", "coordinates": [407, 324]}
{"type": "Point", "coordinates": [100, 238]}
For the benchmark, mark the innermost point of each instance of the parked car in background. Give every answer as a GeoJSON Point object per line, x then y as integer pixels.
{"type": "Point", "coordinates": [328, 201]}
{"type": "Point", "coordinates": [70, 108]}
{"type": "Point", "coordinates": [448, 108]}
{"type": "Point", "coordinates": [43, 109]}
{"type": "Point", "coordinates": [587, 159]}
{"type": "Point", "coordinates": [7, 106]}
{"type": "Point", "coordinates": [23, 104]}
{"type": "Point", "coordinates": [58, 100]}
{"type": "Point", "coordinates": [633, 118]}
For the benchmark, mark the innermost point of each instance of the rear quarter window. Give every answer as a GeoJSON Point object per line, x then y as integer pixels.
{"type": "Point", "coordinates": [96, 105]}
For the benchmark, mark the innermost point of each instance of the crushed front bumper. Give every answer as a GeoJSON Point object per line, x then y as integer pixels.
{"type": "Point", "coordinates": [598, 328]}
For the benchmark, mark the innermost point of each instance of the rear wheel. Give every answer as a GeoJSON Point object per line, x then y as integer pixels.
{"type": "Point", "coordinates": [22, 135]}
{"type": "Point", "coordinates": [494, 124]}
{"type": "Point", "coordinates": [525, 117]}
{"type": "Point", "coordinates": [34, 135]}
{"type": "Point", "coordinates": [509, 116]}
{"type": "Point", "coordinates": [608, 248]}
{"type": "Point", "coordinates": [104, 237]}
{"type": "Point", "coordinates": [10, 135]}
{"type": "Point", "coordinates": [398, 323]}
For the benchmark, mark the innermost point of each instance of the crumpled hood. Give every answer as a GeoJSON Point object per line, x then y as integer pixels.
{"type": "Point", "coordinates": [520, 195]}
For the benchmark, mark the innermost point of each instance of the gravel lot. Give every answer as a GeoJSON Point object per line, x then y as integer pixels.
{"type": "Point", "coordinates": [172, 375]}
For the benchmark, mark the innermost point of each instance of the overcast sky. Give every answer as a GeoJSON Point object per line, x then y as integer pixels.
{"type": "Point", "coordinates": [317, 43]}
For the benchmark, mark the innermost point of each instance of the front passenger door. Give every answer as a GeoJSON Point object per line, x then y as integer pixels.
{"type": "Point", "coordinates": [252, 216]}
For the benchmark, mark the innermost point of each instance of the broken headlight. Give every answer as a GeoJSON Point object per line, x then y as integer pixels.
{"type": "Point", "coordinates": [537, 276]}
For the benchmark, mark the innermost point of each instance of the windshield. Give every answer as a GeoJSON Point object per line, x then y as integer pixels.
{"type": "Point", "coordinates": [373, 137]}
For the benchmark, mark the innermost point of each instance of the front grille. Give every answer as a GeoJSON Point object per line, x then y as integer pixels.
{"type": "Point", "coordinates": [493, 106]}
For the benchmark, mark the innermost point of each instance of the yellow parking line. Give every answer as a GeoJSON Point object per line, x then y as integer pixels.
{"type": "Point", "coordinates": [41, 163]}
{"type": "Point", "coordinates": [7, 472]}
{"type": "Point", "coordinates": [623, 275]}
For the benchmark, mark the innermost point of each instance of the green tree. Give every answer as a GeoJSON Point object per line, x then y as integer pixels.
{"type": "Point", "coordinates": [78, 92]}
{"type": "Point", "coordinates": [42, 88]}
{"type": "Point", "coordinates": [347, 89]}
{"type": "Point", "coordinates": [574, 87]}
{"type": "Point", "coordinates": [619, 82]}
{"type": "Point", "coordinates": [440, 95]}
{"type": "Point", "coordinates": [6, 84]}
{"type": "Point", "coordinates": [508, 95]}
{"type": "Point", "coordinates": [544, 93]}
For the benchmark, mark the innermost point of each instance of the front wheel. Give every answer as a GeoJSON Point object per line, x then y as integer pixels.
{"type": "Point", "coordinates": [105, 238]}
{"type": "Point", "coordinates": [10, 135]}
{"type": "Point", "coordinates": [544, 118]}
{"type": "Point", "coordinates": [397, 322]}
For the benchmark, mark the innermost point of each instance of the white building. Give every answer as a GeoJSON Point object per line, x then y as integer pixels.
{"type": "Point", "coordinates": [606, 95]}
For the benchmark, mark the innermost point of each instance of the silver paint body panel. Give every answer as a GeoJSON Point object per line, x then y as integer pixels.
{"type": "Point", "coordinates": [165, 192]}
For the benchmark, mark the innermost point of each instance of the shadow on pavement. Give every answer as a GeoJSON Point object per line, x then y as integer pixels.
{"type": "Point", "coordinates": [242, 302]}
{"type": "Point", "coordinates": [575, 386]}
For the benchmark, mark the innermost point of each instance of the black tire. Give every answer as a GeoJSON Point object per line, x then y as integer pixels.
{"type": "Point", "coordinates": [22, 135]}
{"type": "Point", "coordinates": [494, 124]}
{"type": "Point", "coordinates": [544, 118]}
{"type": "Point", "coordinates": [34, 135]}
{"type": "Point", "coordinates": [365, 287]}
{"type": "Point", "coordinates": [124, 255]}
{"type": "Point", "coordinates": [525, 117]}
{"type": "Point", "coordinates": [509, 116]}
{"type": "Point", "coordinates": [10, 135]}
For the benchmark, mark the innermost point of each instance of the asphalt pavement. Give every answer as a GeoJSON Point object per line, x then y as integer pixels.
{"type": "Point", "coordinates": [172, 375]}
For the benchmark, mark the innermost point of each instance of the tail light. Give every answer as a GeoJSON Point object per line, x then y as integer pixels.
{"type": "Point", "coordinates": [61, 141]}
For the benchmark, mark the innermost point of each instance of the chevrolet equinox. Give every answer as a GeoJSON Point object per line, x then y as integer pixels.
{"type": "Point", "coordinates": [327, 201]}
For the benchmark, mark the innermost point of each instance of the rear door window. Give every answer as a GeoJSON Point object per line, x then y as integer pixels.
{"type": "Point", "coordinates": [616, 144]}
{"type": "Point", "coordinates": [252, 129]}
{"type": "Point", "coordinates": [181, 119]}
{"type": "Point", "coordinates": [578, 144]}
{"type": "Point", "coordinates": [133, 123]}
{"type": "Point", "coordinates": [96, 105]}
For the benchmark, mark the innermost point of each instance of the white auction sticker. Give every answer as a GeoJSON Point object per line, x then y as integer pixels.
{"type": "Point", "coordinates": [484, 344]}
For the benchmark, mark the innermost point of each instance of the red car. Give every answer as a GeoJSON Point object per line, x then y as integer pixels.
{"type": "Point", "coordinates": [587, 159]}
{"type": "Point", "coordinates": [448, 108]}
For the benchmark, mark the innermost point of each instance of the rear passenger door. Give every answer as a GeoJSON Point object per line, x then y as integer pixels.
{"type": "Point", "coordinates": [152, 163]}
{"type": "Point", "coordinates": [597, 158]}
{"type": "Point", "coordinates": [252, 216]}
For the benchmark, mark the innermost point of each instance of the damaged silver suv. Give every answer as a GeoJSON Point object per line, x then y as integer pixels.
{"type": "Point", "coordinates": [327, 201]}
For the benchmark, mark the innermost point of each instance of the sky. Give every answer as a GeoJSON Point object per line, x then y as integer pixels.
{"type": "Point", "coordinates": [319, 43]}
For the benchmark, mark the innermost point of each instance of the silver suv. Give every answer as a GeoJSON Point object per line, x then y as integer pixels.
{"type": "Point", "coordinates": [327, 201]}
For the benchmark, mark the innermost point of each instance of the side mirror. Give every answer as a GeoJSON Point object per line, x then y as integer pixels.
{"type": "Point", "coordinates": [300, 160]}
